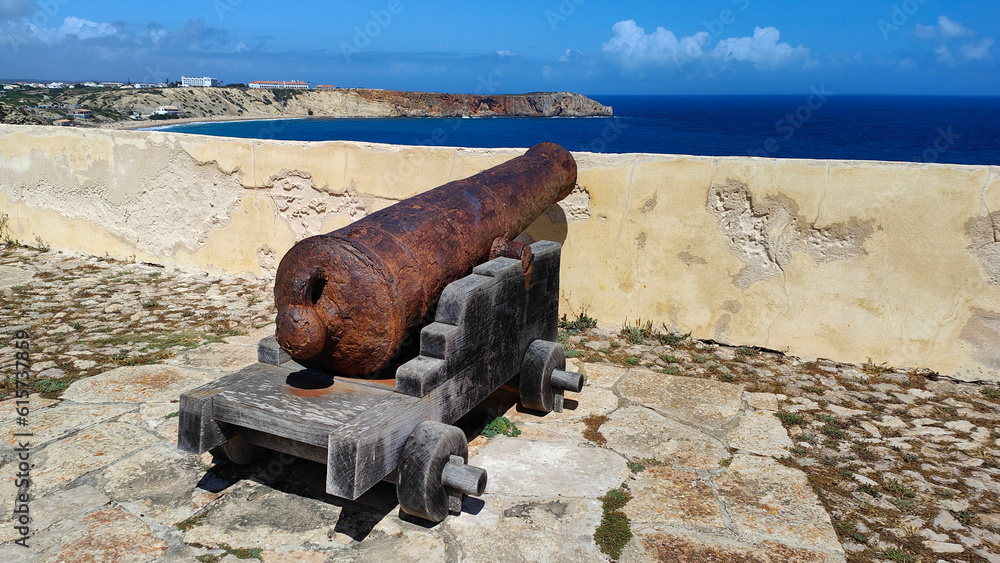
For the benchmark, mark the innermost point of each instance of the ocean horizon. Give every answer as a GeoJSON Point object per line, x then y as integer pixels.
{"type": "Point", "coordinates": [820, 125]}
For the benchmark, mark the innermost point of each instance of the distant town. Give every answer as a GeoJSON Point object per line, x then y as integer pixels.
{"type": "Point", "coordinates": [186, 82]}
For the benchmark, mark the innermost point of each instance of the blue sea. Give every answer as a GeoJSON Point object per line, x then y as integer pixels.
{"type": "Point", "coordinates": [959, 130]}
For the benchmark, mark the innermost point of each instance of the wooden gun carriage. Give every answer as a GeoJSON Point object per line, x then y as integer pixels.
{"type": "Point", "coordinates": [495, 326]}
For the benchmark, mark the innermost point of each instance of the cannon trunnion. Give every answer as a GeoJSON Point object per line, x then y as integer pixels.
{"type": "Point", "coordinates": [495, 326]}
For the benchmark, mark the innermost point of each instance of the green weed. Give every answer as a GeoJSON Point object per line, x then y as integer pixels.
{"type": "Point", "coordinates": [870, 490]}
{"type": "Point", "coordinates": [615, 499]}
{"type": "Point", "coordinates": [876, 370]}
{"type": "Point", "coordinates": [501, 425]}
{"type": "Point", "coordinates": [898, 555]}
{"type": "Point", "coordinates": [581, 323]}
{"type": "Point", "coordinates": [898, 489]}
{"type": "Point", "coordinates": [614, 531]}
{"type": "Point", "coordinates": [789, 418]}
{"type": "Point", "coordinates": [50, 388]}
{"type": "Point", "coordinates": [242, 552]}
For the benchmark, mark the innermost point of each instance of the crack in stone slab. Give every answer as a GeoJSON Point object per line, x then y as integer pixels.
{"type": "Point", "coordinates": [984, 235]}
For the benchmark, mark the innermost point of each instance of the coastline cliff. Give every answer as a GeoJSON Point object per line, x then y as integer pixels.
{"type": "Point", "coordinates": [112, 106]}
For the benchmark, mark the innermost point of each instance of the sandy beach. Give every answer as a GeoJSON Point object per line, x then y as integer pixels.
{"type": "Point", "coordinates": [155, 124]}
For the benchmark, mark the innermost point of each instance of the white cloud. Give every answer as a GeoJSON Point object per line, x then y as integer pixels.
{"type": "Point", "coordinates": [946, 29]}
{"type": "Point", "coordinates": [950, 28]}
{"type": "Point", "coordinates": [946, 33]}
{"type": "Point", "coordinates": [505, 53]}
{"type": "Point", "coordinates": [943, 54]}
{"type": "Point", "coordinates": [978, 50]}
{"type": "Point", "coordinates": [763, 49]}
{"type": "Point", "coordinates": [156, 34]}
{"type": "Point", "coordinates": [635, 47]}
{"type": "Point", "coordinates": [570, 54]}
{"type": "Point", "coordinates": [79, 33]}
{"type": "Point", "coordinates": [74, 27]}
{"type": "Point", "coordinates": [241, 48]}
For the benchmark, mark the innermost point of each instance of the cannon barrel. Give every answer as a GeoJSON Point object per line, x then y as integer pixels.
{"type": "Point", "coordinates": [349, 299]}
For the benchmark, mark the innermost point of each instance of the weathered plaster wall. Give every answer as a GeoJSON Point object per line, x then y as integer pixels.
{"type": "Point", "coordinates": [895, 262]}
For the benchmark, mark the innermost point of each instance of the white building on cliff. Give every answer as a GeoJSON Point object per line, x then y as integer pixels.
{"type": "Point", "coordinates": [200, 82]}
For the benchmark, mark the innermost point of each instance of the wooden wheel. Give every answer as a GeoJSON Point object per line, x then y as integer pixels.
{"type": "Point", "coordinates": [543, 377]}
{"type": "Point", "coordinates": [433, 476]}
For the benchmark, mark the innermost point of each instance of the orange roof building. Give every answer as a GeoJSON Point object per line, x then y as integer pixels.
{"type": "Point", "coordinates": [272, 85]}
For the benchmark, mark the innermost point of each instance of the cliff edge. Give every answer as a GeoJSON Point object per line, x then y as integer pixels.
{"type": "Point", "coordinates": [111, 106]}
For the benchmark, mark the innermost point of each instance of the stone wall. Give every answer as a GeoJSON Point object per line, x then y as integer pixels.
{"type": "Point", "coordinates": [848, 260]}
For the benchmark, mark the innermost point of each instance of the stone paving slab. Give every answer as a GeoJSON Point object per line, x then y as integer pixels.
{"type": "Point", "coordinates": [541, 468]}
{"type": "Point", "coordinates": [685, 546]}
{"type": "Point", "coordinates": [252, 515]}
{"type": "Point", "coordinates": [139, 384]}
{"type": "Point", "coordinates": [663, 495]}
{"type": "Point", "coordinates": [760, 433]}
{"type": "Point", "coordinates": [512, 529]}
{"type": "Point", "coordinates": [697, 401]}
{"type": "Point", "coordinates": [638, 432]}
{"type": "Point", "coordinates": [63, 419]}
{"type": "Point", "coordinates": [773, 502]}
{"type": "Point", "coordinates": [64, 461]}
{"type": "Point", "coordinates": [159, 483]}
{"type": "Point", "coordinates": [102, 535]}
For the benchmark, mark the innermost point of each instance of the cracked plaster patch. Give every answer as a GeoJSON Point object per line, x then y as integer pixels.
{"type": "Point", "coordinates": [180, 191]}
{"type": "Point", "coordinates": [307, 208]}
{"type": "Point", "coordinates": [766, 234]}
{"type": "Point", "coordinates": [984, 232]}
{"type": "Point", "coordinates": [575, 207]}
{"type": "Point", "coordinates": [982, 332]}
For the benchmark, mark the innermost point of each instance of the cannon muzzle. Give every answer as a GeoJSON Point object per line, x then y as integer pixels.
{"type": "Point", "coordinates": [350, 298]}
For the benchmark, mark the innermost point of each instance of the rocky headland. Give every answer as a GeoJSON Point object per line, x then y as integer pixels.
{"type": "Point", "coordinates": [113, 106]}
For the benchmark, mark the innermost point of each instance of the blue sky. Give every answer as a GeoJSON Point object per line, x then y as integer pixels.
{"type": "Point", "coordinates": [591, 46]}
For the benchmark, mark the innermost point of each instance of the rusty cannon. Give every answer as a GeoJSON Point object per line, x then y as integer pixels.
{"type": "Point", "coordinates": [346, 302]}
{"type": "Point", "coordinates": [348, 299]}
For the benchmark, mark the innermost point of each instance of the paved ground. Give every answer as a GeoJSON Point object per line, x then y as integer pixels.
{"type": "Point", "coordinates": [698, 452]}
